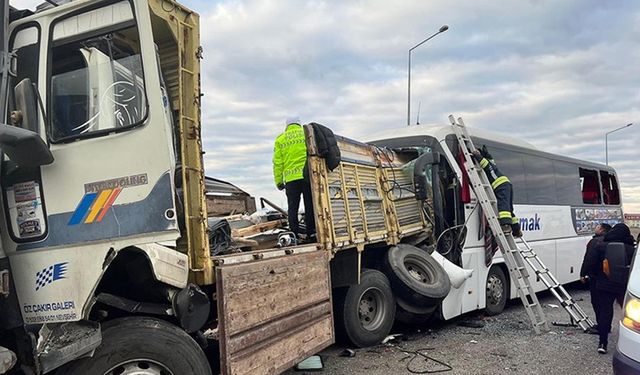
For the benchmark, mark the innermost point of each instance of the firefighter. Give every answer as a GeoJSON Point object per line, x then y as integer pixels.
{"type": "Point", "coordinates": [289, 158]}
{"type": "Point", "coordinates": [503, 190]}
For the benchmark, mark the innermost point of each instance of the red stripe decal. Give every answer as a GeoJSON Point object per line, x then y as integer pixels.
{"type": "Point", "coordinates": [107, 206]}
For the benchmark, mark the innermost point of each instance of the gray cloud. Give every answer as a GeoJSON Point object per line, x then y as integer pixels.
{"type": "Point", "coordinates": [558, 74]}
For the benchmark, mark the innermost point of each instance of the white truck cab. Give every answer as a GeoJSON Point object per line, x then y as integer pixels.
{"type": "Point", "coordinates": [102, 209]}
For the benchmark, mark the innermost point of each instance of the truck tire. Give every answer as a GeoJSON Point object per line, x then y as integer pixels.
{"type": "Point", "coordinates": [415, 316]}
{"type": "Point", "coordinates": [142, 345]}
{"type": "Point", "coordinates": [365, 312]}
{"type": "Point", "coordinates": [497, 291]}
{"type": "Point", "coordinates": [415, 276]}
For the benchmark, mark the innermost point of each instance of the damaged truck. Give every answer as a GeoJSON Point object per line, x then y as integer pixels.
{"type": "Point", "coordinates": [104, 218]}
{"type": "Point", "coordinates": [109, 267]}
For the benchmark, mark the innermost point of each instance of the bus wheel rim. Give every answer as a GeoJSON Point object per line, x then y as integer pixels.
{"type": "Point", "coordinates": [495, 289]}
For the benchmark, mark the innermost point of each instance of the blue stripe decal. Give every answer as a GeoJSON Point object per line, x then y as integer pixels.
{"type": "Point", "coordinates": [83, 209]}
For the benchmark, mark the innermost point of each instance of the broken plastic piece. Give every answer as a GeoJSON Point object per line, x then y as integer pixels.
{"type": "Point", "coordinates": [313, 363]}
{"type": "Point", "coordinates": [348, 353]}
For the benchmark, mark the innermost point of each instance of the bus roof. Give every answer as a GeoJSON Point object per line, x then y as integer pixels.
{"type": "Point", "coordinates": [440, 132]}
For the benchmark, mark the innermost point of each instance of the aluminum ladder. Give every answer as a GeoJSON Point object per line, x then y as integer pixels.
{"type": "Point", "coordinates": [566, 301]}
{"type": "Point", "coordinates": [512, 256]}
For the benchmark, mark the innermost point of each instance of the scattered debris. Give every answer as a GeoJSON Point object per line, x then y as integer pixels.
{"type": "Point", "coordinates": [393, 337]}
{"type": "Point", "coordinates": [348, 353]}
{"type": "Point", "coordinates": [471, 323]}
{"type": "Point", "coordinates": [313, 363]}
{"type": "Point", "coordinates": [473, 342]}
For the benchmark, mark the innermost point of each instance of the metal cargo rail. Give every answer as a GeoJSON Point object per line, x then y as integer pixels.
{"type": "Point", "coordinates": [369, 198]}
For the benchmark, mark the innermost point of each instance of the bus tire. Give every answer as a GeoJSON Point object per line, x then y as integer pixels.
{"type": "Point", "coordinates": [415, 276]}
{"type": "Point", "coordinates": [134, 344]}
{"type": "Point", "coordinates": [365, 312]}
{"type": "Point", "coordinates": [497, 291]}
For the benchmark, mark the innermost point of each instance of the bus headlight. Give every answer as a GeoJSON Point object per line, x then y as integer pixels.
{"type": "Point", "coordinates": [631, 317]}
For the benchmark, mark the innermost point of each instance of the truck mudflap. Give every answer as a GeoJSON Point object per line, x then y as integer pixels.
{"type": "Point", "coordinates": [274, 309]}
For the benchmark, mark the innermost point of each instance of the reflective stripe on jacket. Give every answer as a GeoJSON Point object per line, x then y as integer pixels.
{"type": "Point", "coordinates": [493, 173]}
{"type": "Point", "coordinates": [289, 155]}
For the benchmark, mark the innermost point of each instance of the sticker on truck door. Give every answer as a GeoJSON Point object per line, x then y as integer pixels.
{"type": "Point", "coordinates": [25, 210]}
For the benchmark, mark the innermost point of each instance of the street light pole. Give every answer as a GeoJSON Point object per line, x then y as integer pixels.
{"type": "Point", "coordinates": [606, 141]}
{"type": "Point", "coordinates": [442, 29]}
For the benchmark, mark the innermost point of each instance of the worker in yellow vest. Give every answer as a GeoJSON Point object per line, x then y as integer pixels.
{"type": "Point", "coordinates": [289, 160]}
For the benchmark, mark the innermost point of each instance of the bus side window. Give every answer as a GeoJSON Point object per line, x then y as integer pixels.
{"type": "Point", "coordinates": [568, 183]}
{"type": "Point", "coordinates": [511, 164]}
{"type": "Point", "coordinates": [590, 186]}
{"type": "Point", "coordinates": [610, 191]}
{"type": "Point", "coordinates": [540, 180]}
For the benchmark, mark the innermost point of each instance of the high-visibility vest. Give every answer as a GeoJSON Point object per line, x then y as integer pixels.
{"type": "Point", "coordinates": [289, 155]}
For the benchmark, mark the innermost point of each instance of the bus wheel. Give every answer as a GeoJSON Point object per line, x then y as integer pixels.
{"type": "Point", "coordinates": [365, 312]}
{"type": "Point", "coordinates": [415, 276]}
{"type": "Point", "coordinates": [142, 346]}
{"type": "Point", "coordinates": [497, 291]}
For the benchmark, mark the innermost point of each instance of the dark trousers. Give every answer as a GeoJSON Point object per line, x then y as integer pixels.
{"type": "Point", "coordinates": [294, 189]}
{"type": "Point", "coordinates": [594, 296]}
{"type": "Point", "coordinates": [604, 315]}
{"type": "Point", "coordinates": [504, 197]}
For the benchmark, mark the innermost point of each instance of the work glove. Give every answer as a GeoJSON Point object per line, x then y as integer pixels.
{"type": "Point", "coordinates": [486, 153]}
{"type": "Point", "coordinates": [280, 186]}
{"type": "Point", "coordinates": [477, 156]}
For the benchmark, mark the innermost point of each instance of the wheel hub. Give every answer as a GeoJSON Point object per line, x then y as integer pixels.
{"type": "Point", "coordinates": [418, 272]}
{"type": "Point", "coordinates": [495, 289]}
{"type": "Point", "coordinates": [139, 367]}
{"type": "Point", "coordinates": [371, 309]}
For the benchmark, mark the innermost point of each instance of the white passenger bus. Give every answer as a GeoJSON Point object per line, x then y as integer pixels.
{"type": "Point", "coordinates": [559, 201]}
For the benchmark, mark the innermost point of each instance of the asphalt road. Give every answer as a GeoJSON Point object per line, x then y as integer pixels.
{"type": "Point", "coordinates": [504, 345]}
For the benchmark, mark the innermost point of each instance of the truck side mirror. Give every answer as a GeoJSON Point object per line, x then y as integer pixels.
{"type": "Point", "coordinates": [26, 115]}
{"type": "Point", "coordinates": [419, 174]}
{"type": "Point", "coordinates": [24, 147]}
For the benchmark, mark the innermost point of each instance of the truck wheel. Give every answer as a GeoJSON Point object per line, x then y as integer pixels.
{"type": "Point", "coordinates": [141, 345]}
{"type": "Point", "coordinates": [415, 276]}
{"type": "Point", "coordinates": [412, 315]}
{"type": "Point", "coordinates": [365, 312]}
{"type": "Point", "coordinates": [497, 291]}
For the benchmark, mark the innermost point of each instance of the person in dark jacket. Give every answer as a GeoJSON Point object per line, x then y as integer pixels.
{"type": "Point", "coordinates": [608, 291]}
{"type": "Point", "coordinates": [503, 190]}
{"type": "Point", "coordinates": [586, 276]}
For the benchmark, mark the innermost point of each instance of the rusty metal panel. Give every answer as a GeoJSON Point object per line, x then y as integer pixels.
{"type": "Point", "coordinates": [367, 199]}
{"type": "Point", "coordinates": [273, 312]}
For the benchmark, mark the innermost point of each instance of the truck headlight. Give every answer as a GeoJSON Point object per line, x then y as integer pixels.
{"type": "Point", "coordinates": [631, 317]}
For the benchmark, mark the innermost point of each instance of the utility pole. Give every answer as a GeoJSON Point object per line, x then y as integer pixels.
{"type": "Point", "coordinates": [442, 29]}
{"type": "Point", "coordinates": [606, 141]}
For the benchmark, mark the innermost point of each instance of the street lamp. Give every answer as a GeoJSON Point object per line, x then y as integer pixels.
{"type": "Point", "coordinates": [606, 141]}
{"type": "Point", "coordinates": [442, 29]}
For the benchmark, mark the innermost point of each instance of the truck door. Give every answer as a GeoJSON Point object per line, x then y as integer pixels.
{"type": "Point", "coordinates": [111, 182]}
{"type": "Point", "coordinates": [106, 127]}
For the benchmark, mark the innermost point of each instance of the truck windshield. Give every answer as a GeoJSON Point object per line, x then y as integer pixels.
{"type": "Point", "coordinates": [97, 85]}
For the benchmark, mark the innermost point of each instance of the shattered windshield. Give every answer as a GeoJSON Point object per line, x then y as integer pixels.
{"type": "Point", "coordinates": [97, 85]}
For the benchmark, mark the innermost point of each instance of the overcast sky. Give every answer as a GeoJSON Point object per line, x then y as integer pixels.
{"type": "Point", "coordinates": [558, 74]}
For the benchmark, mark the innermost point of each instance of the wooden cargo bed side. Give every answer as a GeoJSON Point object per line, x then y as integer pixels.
{"type": "Point", "coordinates": [273, 311]}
